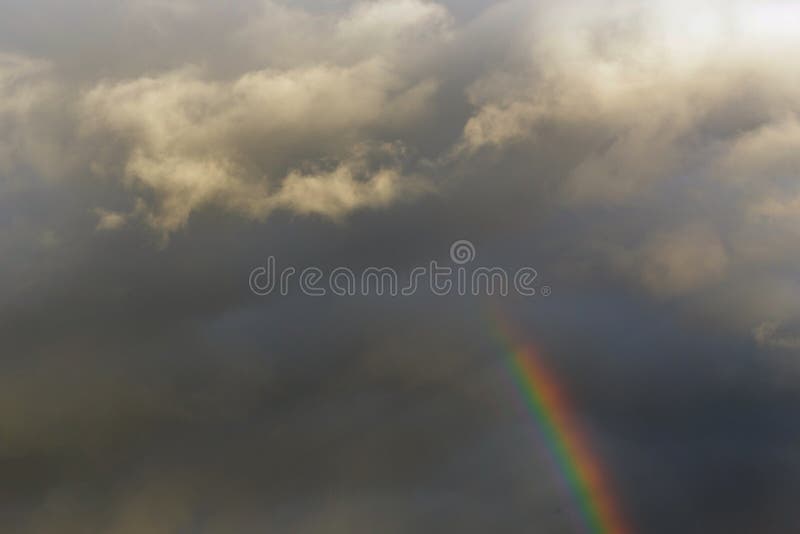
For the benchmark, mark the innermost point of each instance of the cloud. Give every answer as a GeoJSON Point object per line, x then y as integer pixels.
{"type": "Point", "coordinates": [28, 138]}
{"type": "Point", "coordinates": [666, 131]}
{"type": "Point", "coordinates": [773, 335]}
{"type": "Point", "coordinates": [349, 186]}
{"type": "Point", "coordinates": [646, 90]}
{"type": "Point", "coordinates": [109, 220]}
{"type": "Point", "coordinates": [193, 142]}
{"type": "Point", "coordinates": [683, 260]}
{"type": "Point", "coordinates": [640, 155]}
{"type": "Point", "coordinates": [187, 138]}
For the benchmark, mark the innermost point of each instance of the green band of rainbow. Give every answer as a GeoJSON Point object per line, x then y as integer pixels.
{"type": "Point", "coordinates": [547, 404]}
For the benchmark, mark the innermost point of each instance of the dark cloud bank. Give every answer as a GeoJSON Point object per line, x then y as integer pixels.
{"type": "Point", "coordinates": [642, 156]}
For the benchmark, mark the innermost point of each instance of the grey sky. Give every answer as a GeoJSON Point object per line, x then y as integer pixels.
{"type": "Point", "coordinates": [642, 156]}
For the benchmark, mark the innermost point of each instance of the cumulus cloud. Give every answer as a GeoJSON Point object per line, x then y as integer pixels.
{"type": "Point", "coordinates": [657, 90]}
{"type": "Point", "coordinates": [185, 138]}
{"type": "Point", "coordinates": [662, 113]}
{"type": "Point", "coordinates": [350, 185]}
{"type": "Point", "coordinates": [193, 141]}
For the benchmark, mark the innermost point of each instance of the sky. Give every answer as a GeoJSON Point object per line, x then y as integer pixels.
{"type": "Point", "coordinates": [641, 156]}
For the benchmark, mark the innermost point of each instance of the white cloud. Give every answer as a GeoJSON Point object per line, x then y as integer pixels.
{"type": "Point", "coordinates": [195, 142]}
{"type": "Point", "coordinates": [335, 80]}
{"type": "Point", "coordinates": [647, 84]}
{"type": "Point", "coordinates": [350, 185]}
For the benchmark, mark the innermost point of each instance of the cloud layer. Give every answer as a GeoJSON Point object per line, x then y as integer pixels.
{"type": "Point", "coordinates": [642, 156]}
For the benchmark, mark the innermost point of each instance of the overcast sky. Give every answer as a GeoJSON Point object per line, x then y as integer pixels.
{"type": "Point", "coordinates": [642, 156]}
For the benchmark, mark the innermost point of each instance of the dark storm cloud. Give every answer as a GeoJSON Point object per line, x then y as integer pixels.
{"type": "Point", "coordinates": [640, 156]}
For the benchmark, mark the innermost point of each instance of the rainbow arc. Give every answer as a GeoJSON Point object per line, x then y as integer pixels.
{"type": "Point", "coordinates": [547, 403]}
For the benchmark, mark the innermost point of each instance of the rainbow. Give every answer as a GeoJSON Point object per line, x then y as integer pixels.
{"type": "Point", "coordinates": [545, 400]}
